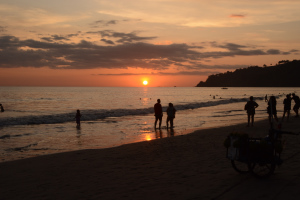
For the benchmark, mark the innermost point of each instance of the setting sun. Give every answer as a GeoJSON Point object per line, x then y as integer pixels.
{"type": "Point", "coordinates": [145, 82]}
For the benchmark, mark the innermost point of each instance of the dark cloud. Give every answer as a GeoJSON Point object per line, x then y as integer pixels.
{"type": "Point", "coordinates": [195, 65]}
{"type": "Point", "coordinates": [273, 52]}
{"type": "Point", "coordinates": [54, 52]}
{"type": "Point", "coordinates": [294, 51]}
{"type": "Point", "coordinates": [104, 23]}
{"type": "Point", "coordinates": [107, 41]}
{"type": "Point", "coordinates": [48, 39]}
{"type": "Point", "coordinates": [230, 46]}
{"type": "Point", "coordinates": [9, 42]}
{"type": "Point", "coordinates": [238, 50]}
{"type": "Point", "coordinates": [59, 37]}
{"type": "Point", "coordinates": [73, 35]}
{"type": "Point", "coordinates": [129, 37]}
{"type": "Point", "coordinates": [122, 37]}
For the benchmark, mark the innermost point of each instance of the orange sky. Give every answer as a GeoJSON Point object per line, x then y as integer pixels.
{"type": "Point", "coordinates": [50, 77]}
{"type": "Point", "coordinates": [121, 43]}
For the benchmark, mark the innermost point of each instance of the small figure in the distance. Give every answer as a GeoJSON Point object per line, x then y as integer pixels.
{"type": "Point", "coordinates": [77, 117]}
{"type": "Point", "coordinates": [250, 107]}
{"type": "Point", "coordinates": [1, 107]}
{"type": "Point", "coordinates": [171, 115]}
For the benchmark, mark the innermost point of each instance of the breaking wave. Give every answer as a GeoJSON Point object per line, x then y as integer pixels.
{"type": "Point", "coordinates": [92, 115]}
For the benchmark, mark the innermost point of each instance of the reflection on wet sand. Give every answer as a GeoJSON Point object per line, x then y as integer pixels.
{"type": "Point", "coordinates": [78, 135]}
{"type": "Point", "coordinates": [160, 133]}
{"type": "Point", "coordinates": [171, 132]}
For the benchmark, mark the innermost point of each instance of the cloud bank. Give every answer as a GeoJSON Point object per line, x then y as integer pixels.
{"type": "Point", "coordinates": [119, 51]}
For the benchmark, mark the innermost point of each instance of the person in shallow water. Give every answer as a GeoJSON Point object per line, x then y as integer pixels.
{"type": "Point", "coordinates": [287, 106]}
{"type": "Point", "coordinates": [1, 107]}
{"type": "Point", "coordinates": [77, 117]}
{"type": "Point", "coordinates": [297, 104]}
{"type": "Point", "coordinates": [250, 107]}
{"type": "Point", "coordinates": [171, 115]}
{"type": "Point", "coordinates": [158, 113]}
{"type": "Point", "coordinates": [271, 109]}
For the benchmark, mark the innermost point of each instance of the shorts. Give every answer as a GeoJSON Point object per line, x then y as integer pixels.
{"type": "Point", "coordinates": [158, 117]}
{"type": "Point", "coordinates": [170, 118]}
{"type": "Point", "coordinates": [296, 106]}
{"type": "Point", "coordinates": [287, 108]}
{"type": "Point", "coordinates": [251, 112]}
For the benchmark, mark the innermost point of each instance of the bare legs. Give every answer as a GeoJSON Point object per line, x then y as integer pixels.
{"type": "Point", "coordinates": [275, 117]}
{"type": "Point", "coordinates": [156, 119]}
{"type": "Point", "coordinates": [288, 114]}
{"type": "Point", "coordinates": [171, 122]}
{"type": "Point", "coordinates": [296, 111]}
{"type": "Point", "coordinates": [252, 120]}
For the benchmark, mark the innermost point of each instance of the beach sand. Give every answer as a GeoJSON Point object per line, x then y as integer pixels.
{"type": "Point", "coordinates": [192, 166]}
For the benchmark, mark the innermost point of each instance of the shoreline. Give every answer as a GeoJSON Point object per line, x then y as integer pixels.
{"type": "Point", "coordinates": [191, 166]}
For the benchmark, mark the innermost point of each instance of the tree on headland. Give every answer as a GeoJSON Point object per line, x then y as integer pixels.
{"type": "Point", "coordinates": [284, 74]}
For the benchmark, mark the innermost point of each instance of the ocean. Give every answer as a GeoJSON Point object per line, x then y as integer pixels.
{"type": "Point", "coordinates": [41, 120]}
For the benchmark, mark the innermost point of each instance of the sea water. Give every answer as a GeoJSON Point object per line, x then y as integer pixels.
{"type": "Point", "coordinates": [41, 120]}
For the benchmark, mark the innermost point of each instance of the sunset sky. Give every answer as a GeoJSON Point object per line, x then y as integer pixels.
{"type": "Point", "coordinates": [125, 42]}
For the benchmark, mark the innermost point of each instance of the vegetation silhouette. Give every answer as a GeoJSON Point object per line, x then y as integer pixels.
{"type": "Point", "coordinates": [284, 74]}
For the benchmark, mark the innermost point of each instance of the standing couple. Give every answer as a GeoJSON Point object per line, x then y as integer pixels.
{"type": "Point", "coordinates": [158, 113]}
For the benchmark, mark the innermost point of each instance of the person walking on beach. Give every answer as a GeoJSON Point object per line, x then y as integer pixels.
{"type": "Point", "coordinates": [287, 106]}
{"type": "Point", "coordinates": [1, 107]}
{"type": "Point", "coordinates": [77, 117]}
{"type": "Point", "coordinates": [272, 109]}
{"type": "Point", "coordinates": [250, 107]}
{"type": "Point", "coordinates": [297, 104]}
{"type": "Point", "coordinates": [158, 113]}
{"type": "Point", "coordinates": [171, 115]}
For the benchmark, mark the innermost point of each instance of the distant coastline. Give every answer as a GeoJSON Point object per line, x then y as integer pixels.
{"type": "Point", "coordinates": [284, 74]}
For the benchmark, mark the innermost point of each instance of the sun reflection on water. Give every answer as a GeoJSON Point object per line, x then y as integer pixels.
{"type": "Point", "coordinates": [149, 137]}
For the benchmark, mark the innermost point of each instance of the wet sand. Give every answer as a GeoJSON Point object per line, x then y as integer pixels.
{"type": "Point", "coordinates": [192, 166]}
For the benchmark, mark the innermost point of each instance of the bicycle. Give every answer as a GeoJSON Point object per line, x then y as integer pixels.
{"type": "Point", "coordinates": [259, 156]}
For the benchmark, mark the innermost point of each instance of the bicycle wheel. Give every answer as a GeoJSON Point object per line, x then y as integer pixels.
{"type": "Point", "coordinates": [240, 167]}
{"type": "Point", "coordinates": [262, 170]}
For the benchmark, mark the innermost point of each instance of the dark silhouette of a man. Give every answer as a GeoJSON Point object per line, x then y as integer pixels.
{"type": "Point", "coordinates": [158, 113]}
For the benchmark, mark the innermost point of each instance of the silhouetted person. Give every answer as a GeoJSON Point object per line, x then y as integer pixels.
{"type": "Point", "coordinates": [272, 109]}
{"type": "Point", "coordinates": [1, 107]}
{"type": "Point", "coordinates": [77, 117]}
{"type": "Point", "coordinates": [297, 104]}
{"type": "Point", "coordinates": [266, 98]}
{"type": "Point", "coordinates": [287, 106]}
{"type": "Point", "coordinates": [250, 107]}
{"type": "Point", "coordinates": [171, 115]}
{"type": "Point", "coordinates": [158, 113]}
